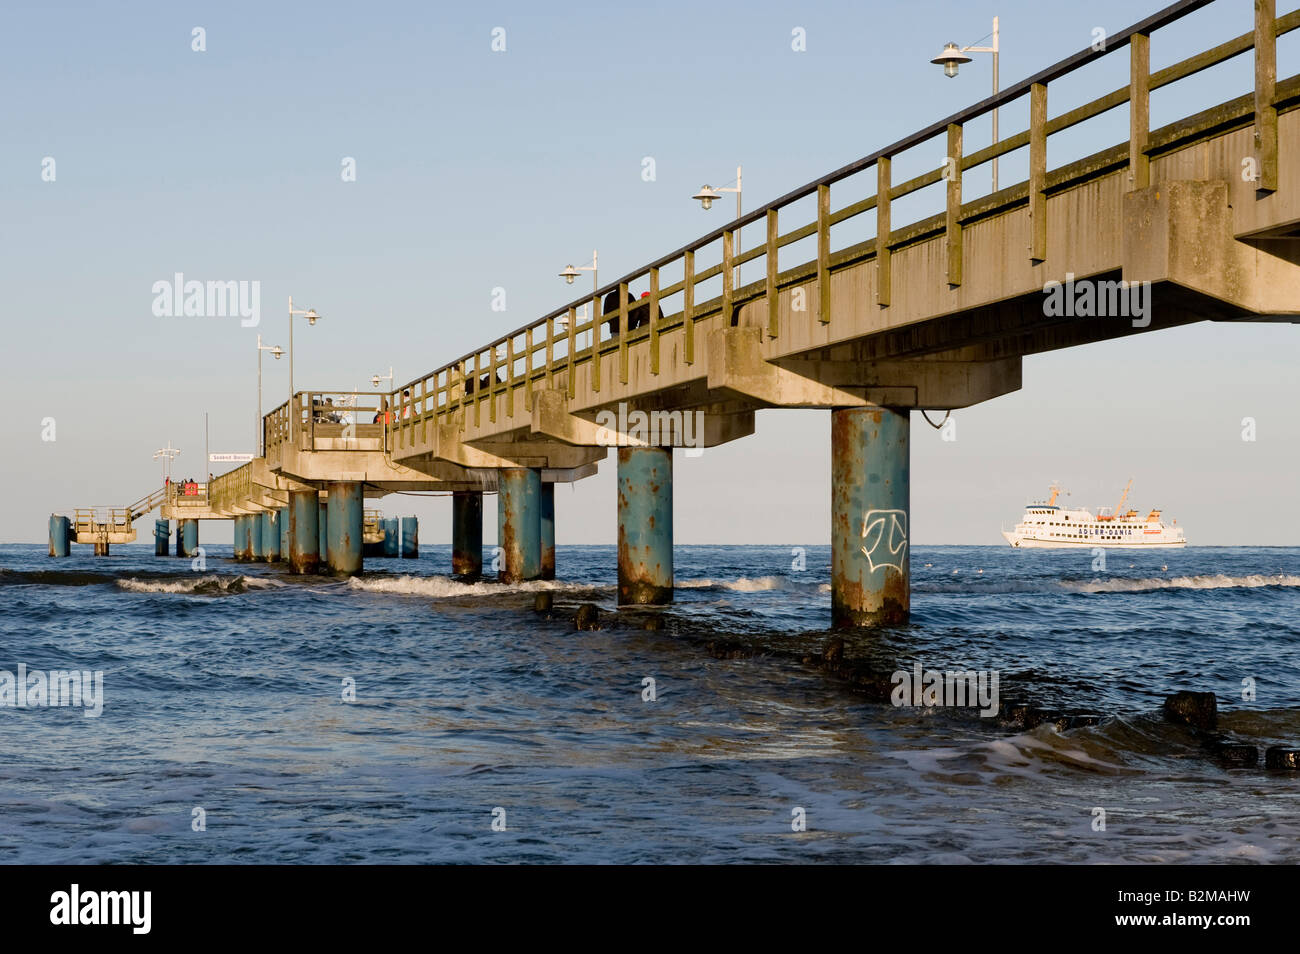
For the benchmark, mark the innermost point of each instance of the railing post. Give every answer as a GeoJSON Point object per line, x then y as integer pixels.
{"type": "Point", "coordinates": [884, 269]}
{"type": "Point", "coordinates": [424, 409]}
{"type": "Point", "coordinates": [770, 260]}
{"type": "Point", "coordinates": [1266, 95]}
{"type": "Point", "coordinates": [550, 352]}
{"type": "Point", "coordinates": [824, 253]}
{"type": "Point", "coordinates": [528, 370]}
{"type": "Point", "coordinates": [573, 323]}
{"type": "Point", "coordinates": [952, 225]}
{"type": "Point", "coordinates": [595, 343]}
{"type": "Point", "coordinates": [728, 275]}
{"type": "Point", "coordinates": [510, 376]}
{"type": "Point", "coordinates": [1037, 172]}
{"type": "Point", "coordinates": [1139, 110]}
{"type": "Point", "coordinates": [478, 388]}
{"type": "Point", "coordinates": [492, 385]}
{"type": "Point", "coordinates": [622, 332]}
{"type": "Point", "coordinates": [654, 321]}
{"type": "Point", "coordinates": [688, 306]}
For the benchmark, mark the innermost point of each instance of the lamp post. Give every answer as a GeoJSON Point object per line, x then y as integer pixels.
{"type": "Point", "coordinates": [312, 317]}
{"type": "Point", "coordinates": [167, 454]}
{"type": "Point", "coordinates": [376, 378]}
{"type": "Point", "coordinates": [276, 351]}
{"type": "Point", "coordinates": [570, 273]}
{"type": "Point", "coordinates": [953, 56]}
{"type": "Point", "coordinates": [705, 197]}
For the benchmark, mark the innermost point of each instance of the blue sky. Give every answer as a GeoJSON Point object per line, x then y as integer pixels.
{"type": "Point", "coordinates": [478, 170]}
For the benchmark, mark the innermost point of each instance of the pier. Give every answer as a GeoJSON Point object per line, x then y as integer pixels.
{"type": "Point", "coordinates": [1191, 221]}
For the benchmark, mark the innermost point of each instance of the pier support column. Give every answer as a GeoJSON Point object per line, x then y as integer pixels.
{"type": "Point", "coordinates": [519, 523]}
{"type": "Point", "coordinates": [645, 525]}
{"type": "Point", "coordinates": [187, 537]}
{"type": "Point", "coordinates": [870, 509]}
{"type": "Point", "coordinates": [237, 544]}
{"type": "Point", "coordinates": [467, 533]}
{"type": "Point", "coordinates": [304, 531]}
{"type": "Point", "coordinates": [248, 536]}
{"type": "Point", "coordinates": [268, 543]}
{"type": "Point", "coordinates": [162, 532]}
{"type": "Point", "coordinates": [284, 534]}
{"type": "Point", "coordinates": [548, 531]}
{"type": "Point", "coordinates": [322, 517]}
{"type": "Point", "coordinates": [345, 518]}
{"type": "Point", "coordinates": [101, 547]}
{"type": "Point", "coordinates": [410, 538]}
{"type": "Point", "coordinates": [392, 544]}
{"type": "Point", "coordinates": [60, 529]}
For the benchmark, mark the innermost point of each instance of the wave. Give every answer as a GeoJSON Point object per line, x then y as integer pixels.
{"type": "Point", "coordinates": [747, 584]}
{"type": "Point", "coordinates": [440, 587]}
{"type": "Point", "coordinates": [201, 586]}
{"type": "Point", "coordinates": [1217, 581]}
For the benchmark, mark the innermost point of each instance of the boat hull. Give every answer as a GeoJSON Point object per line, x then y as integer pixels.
{"type": "Point", "coordinates": [1029, 543]}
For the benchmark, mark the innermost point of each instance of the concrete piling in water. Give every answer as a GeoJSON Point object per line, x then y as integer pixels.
{"type": "Point", "coordinates": [391, 546]}
{"type": "Point", "coordinates": [162, 532]}
{"type": "Point", "coordinates": [187, 538]}
{"type": "Point", "coordinates": [284, 534]}
{"type": "Point", "coordinates": [548, 531]}
{"type": "Point", "coordinates": [101, 547]}
{"type": "Point", "coordinates": [60, 531]}
{"type": "Point", "coordinates": [519, 524]}
{"type": "Point", "coordinates": [410, 538]}
{"type": "Point", "coordinates": [467, 533]}
{"type": "Point", "coordinates": [247, 536]}
{"type": "Point", "coordinates": [645, 525]}
{"type": "Point", "coordinates": [322, 518]}
{"type": "Point", "coordinates": [304, 531]}
{"type": "Point", "coordinates": [870, 508]}
{"type": "Point", "coordinates": [268, 547]}
{"type": "Point", "coordinates": [345, 519]}
{"type": "Point", "coordinates": [236, 547]}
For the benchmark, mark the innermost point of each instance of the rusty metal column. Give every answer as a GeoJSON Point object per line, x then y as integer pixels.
{"type": "Point", "coordinates": [519, 524]}
{"type": "Point", "coordinates": [304, 531]}
{"type": "Point", "coordinates": [467, 533]}
{"type": "Point", "coordinates": [268, 526]}
{"type": "Point", "coordinates": [870, 508]}
{"type": "Point", "coordinates": [60, 532]}
{"type": "Point", "coordinates": [345, 515]}
{"type": "Point", "coordinates": [187, 537]}
{"type": "Point", "coordinates": [548, 531]}
{"type": "Point", "coordinates": [645, 525]}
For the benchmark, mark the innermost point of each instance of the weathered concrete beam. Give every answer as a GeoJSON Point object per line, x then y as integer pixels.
{"type": "Point", "coordinates": [736, 364]}
{"type": "Point", "coordinates": [636, 426]}
{"type": "Point", "coordinates": [924, 384]}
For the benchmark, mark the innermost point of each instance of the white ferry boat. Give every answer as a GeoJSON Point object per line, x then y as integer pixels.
{"type": "Point", "coordinates": [1047, 525]}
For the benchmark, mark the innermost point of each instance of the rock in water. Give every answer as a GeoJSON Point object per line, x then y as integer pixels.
{"type": "Point", "coordinates": [833, 654]}
{"type": "Point", "coordinates": [587, 617]}
{"type": "Point", "coordinates": [1200, 710]}
{"type": "Point", "coordinates": [1280, 757]}
{"type": "Point", "coordinates": [543, 601]}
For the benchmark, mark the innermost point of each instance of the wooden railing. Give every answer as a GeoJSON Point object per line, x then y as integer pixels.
{"type": "Point", "coordinates": [546, 352]}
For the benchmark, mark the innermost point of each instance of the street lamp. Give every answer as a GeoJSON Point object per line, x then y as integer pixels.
{"type": "Point", "coordinates": [168, 454]}
{"type": "Point", "coordinates": [311, 316]}
{"type": "Point", "coordinates": [953, 57]}
{"type": "Point", "coordinates": [376, 378]}
{"type": "Point", "coordinates": [570, 273]}
{"type": "Point", "coordinates": [276, 352]}
{"type": "Point", "coordinates": [707, 194]}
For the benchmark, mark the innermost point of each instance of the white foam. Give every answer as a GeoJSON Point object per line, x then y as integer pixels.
{"type": "Point", "coordinates": [1218, 581]}
{"type": "Point", "coordinates": [222, 583]}
{"type": "Point", "coordinates": [742, 584]}
{"type": "Point", "coordinates": [440, 587]}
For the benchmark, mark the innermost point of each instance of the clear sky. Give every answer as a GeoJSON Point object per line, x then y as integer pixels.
{"type": "Point", "coordinates": [478, 169]}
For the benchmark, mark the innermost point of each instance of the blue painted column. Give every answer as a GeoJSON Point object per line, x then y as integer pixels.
{"type": "Point", "coordinates": [60, 529]}
{"type": "Point", "coordinates": [322, 518]}
{"type": "Point", "coordinates": [268, 528]}
{"type": "Point", "coordinates": [284, 534]}
{"type": "Point", "coordinates": [548, 531]}
{"type": "Point", "coordinates": [870, 510]}
{"type": "Point", "coordinates": [345, 516]}
{"type": "Point", "coordinates": [162, 533]}
{"type": "Point", "coordinates": [304, 531]}
{"type": "Point", "coordinates": [237, 545]}
{"type": "Point", "coordinates": [391, 546]}
{"type": "Point", "coordinates": [251, 538]}
{"type": "Point", "coordinates": [467, 533]}
{"type": "Point", "coordinates": [410, 538]}
{"type": "Point", "coordinates": [187, 537]}
{"type": "Point", "coordinates": [519, 524]}
{"type": "Point", "coordinates": [645, 525]}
